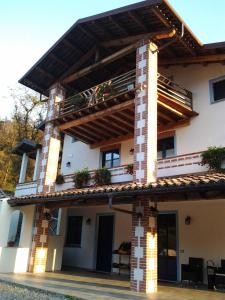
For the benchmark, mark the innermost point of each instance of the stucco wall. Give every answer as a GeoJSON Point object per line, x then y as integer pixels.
{"type": "Point", "coordinates": [81, 156]}
{"type": "Point", "coordinates": [204, 237]}
{"type": "Point", "coordinates": [15, 259]}
{"type": "Point", "coordinates": [85, 256]}
{"type": "Point", "coordinates": [207, 129]}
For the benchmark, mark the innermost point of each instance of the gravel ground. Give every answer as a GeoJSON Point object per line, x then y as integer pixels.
{"type": "Point", "coordinates": [13, 292]}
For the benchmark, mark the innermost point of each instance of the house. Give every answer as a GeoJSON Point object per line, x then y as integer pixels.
{"type": "Point", "coordinates": [132, 90]}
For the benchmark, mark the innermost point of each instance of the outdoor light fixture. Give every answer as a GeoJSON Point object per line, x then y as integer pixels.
{"type": "Point", "coordinates": [88, 221]}
{"type": "Point", "coordinates": [131, 151]}
{"type": "Point", "coordinates": [188, 220]}
{"type": "Point", "coordinates": [68, 164]}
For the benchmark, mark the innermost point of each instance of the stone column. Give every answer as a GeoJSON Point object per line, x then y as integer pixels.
{"type": "Point", "coordinates": [37, 163]}
{"type": "Point", "coordinates": [51, 143]}
{"type": "Point", "coordinates": [23, 168]}
{"type": "Point", "coordinates": [144, 229]}
{"type": "Point", "coordinates": [46, 181]}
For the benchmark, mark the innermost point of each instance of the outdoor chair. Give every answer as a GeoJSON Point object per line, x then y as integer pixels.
{"type": "Point", "coordinates": [220, 275]}
{"type": "Point", "coordinates": [193, 272]}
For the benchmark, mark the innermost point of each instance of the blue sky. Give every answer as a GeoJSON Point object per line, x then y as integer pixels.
{"type": "Point", "coordinates": [29, 28]}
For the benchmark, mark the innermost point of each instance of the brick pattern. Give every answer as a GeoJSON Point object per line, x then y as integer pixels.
{"type": "Point", "coordinates": [144, 248]}
{"type": "Point", "coordinates": [51, 143]}
{"type": "Point", "coordinates": [145, 135]}
{"type": "Point", "coordinates": [39, 247]}
{"type": "Point", "coordinates": [144, 233]}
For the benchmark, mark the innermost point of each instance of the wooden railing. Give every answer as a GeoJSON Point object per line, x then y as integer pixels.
{"type": "Point", "coordinates": [120, 85]}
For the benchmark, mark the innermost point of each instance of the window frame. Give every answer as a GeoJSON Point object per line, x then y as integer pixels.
{"type": "Point", "coordinates": [211, 90]}
{"type": "Point", "coordinates": [174, 145]}
{"type": "Point", "coordinates": [74, 245]}
{"type": "Point", "coordinates": [112, 150]}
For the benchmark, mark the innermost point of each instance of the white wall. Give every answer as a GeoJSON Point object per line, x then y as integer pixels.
{"type": "Point", "coordinates": [207, 129]}
{"type": "Point", "coordinates": [15, 259]}
{"type": "Point", "coordinates": [204, 237]}
{"type": "Point", "coordinates": [85, 256]}
{"type": "Point", "coordinates": [56, 244]}
{"type": "Point", "coordinates": [81, 156]}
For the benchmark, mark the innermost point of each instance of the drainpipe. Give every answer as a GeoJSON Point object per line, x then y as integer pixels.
{"type": "Point", "coordinates": [163, 36]}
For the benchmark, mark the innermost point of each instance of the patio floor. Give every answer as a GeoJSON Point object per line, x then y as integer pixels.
{"type": "Point", "coordinates": [87, 285]}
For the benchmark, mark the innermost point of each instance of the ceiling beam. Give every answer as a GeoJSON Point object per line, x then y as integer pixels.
{"type": "Point", "coordinates": [213, 58]}
{"type": "Point", "coordinates": [117, 24]}
{"type": "Point", "coordinates": [135, 18]}
{"type": "Point", "coordinates": [99, 114]}
{"type": "Point", "coordinates": [112, 141]}
{"type": "Point", "coordinates": [95, 128]}
{"type": "Point", "coordinates": [121, 53]}
{"type": "Point", "coordinates": [101, 123]}
{"type": "Point", "coordinates": [135, 38]}
{"type": "Point", "coordinates": [79, 63]}
{"type": "Point", "coordinates": [173, 125]}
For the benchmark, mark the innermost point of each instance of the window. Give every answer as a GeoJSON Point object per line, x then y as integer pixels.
{"type": "Point", "coordinates": [217, 89]}
{"type": "Point", "coordinates": [165, 147]}
{"type": "Point", "coordinates": [54, 223]}
{"type": "Point", "coordinates": [15, 228]}
{"type": "Point", "coordinates": [74, 231]}
{"type": "Point", "coordinates": [111, 158]}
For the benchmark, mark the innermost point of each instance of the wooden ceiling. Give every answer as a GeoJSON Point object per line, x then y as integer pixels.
{"type": "Point", "coordinates": [113, 120]}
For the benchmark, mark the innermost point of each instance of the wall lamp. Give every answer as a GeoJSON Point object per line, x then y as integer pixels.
{"type": "Point", "coordinates": [187, 220]}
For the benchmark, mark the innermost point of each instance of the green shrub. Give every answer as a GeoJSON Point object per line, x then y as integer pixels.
{"type": "Point", "coordinates": [130, 169]}
{"type": "Point", "coordinates": [81, 178]}
{"type": "Point", "coordinates": [78, 101]}
{"type": "Point", "coordinates": [102, 176]}
{"type": "Point", "coordinates": [213, 158]}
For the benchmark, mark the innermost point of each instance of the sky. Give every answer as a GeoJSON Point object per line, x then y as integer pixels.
{"type": "Point", "coordinates": [28, 28]}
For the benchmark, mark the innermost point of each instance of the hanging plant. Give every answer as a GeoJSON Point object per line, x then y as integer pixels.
{"type": "Point", "coordinates": [60, 179]}
{"type": "Point", "coordinates": [102, 176]}
{"type": "Point", "coordinates": [213, 158]}
{"type": "Point", "coordinates": [130, 169]}
{"type": "Point", "coordinates": [81, 178]}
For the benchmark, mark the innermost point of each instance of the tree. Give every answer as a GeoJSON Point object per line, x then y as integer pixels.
{"type": "Point", "coordinates": [27, 114]}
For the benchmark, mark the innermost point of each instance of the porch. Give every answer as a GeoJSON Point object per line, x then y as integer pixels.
{"type": "Point", "coordinates": [94, 286]}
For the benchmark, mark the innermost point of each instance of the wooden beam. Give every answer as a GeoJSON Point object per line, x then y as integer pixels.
{"type": "Point", "coordinates": [60, 61]}
{"type": "Point", "coordinates": [71, 46]}
{"type": "Point", "coordinates": [79, 63]}
{"type": "Point", "coordinates": [170, 108]}
{"type": "Point", "coordinates": [107, 127]}
{"type": "Point", "coordinates": [99, 114]}
{"type": "Point", "coordinates": [213, 58]}
{"type": "Point", "coordinates": [104, 61]}
{"type": "Point", "coordinates": [79, 136]}
{"type": "Point", "coordinates": [112, 141]}
{"type": "Point", "coordinates": [118, 120]}
{"type": "Point", "coordinates": [117, 124]}
{"type": "Point", "coordinates": [135, 18]}
{"type": "Point", "coordinates": [131, 39]}
{"type": "Point", "coordinates": [96, 130]}
{"type": "Point", "coordinates": [117, 24]}
{"type": "Point", "coordinates": [164, 116]}
{"type": "Point", "coordinates": [173, 125]}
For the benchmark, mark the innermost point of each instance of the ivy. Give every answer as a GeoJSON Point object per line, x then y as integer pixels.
{"type": "Point", "coordinates": [213, 158]}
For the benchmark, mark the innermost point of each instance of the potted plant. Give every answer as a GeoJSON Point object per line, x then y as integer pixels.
{"type": "Point", "coordinates": [81, 178]}
{"type": "Point", "coordinates": [102, 176]}
{"type": "Point", "coordinates": [78, 101]}
{"type": "Point", "coordinates": [130, 169]}
{"type": "Point", "coordinates": [104, 90]}
{"type": "Point", "coordinates": [213, 158]}
{"type": "Point", "coordinates": [60, 179]}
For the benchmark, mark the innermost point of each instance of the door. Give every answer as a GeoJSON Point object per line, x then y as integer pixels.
{"type": "Point", "coordinates": [167, 247]}
{"type": "Point", "coordinates": [105, 243]}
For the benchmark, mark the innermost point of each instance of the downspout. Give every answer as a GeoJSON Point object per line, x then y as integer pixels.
{"type": "Point", "coordinates": [163, 36]}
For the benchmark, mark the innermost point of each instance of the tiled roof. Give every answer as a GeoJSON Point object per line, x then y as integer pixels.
{"type": "Point", "coordinates": [162, 185]}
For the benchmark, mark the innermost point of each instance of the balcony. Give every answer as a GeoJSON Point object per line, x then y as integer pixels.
{"type": "Point", "coordinates": [26, 188]}
{"type": "Point", "coordinates": [106, 111]}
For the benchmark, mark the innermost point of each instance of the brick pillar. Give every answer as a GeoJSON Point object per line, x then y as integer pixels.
{"type": "Point", "coordinates": [51, 143]}
{"type": "Point", "coordinates": [144, 226]}
{"type": "Point", "coordinates": [46, 181]}
{"type": "Point", "coordinates": [39, 249]}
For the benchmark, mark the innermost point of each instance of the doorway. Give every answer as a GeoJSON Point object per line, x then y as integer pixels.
{"type": "Point", "coordinates": [167, 246]}
{"type": "Point", "coordinates": [104, 243]}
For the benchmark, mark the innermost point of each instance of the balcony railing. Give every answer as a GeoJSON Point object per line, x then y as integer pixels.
{"type": "Point", "coordinates": [120, 85]}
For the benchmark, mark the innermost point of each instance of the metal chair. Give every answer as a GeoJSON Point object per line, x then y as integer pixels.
{"type": "Point", "coordinates": [193, 272]}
